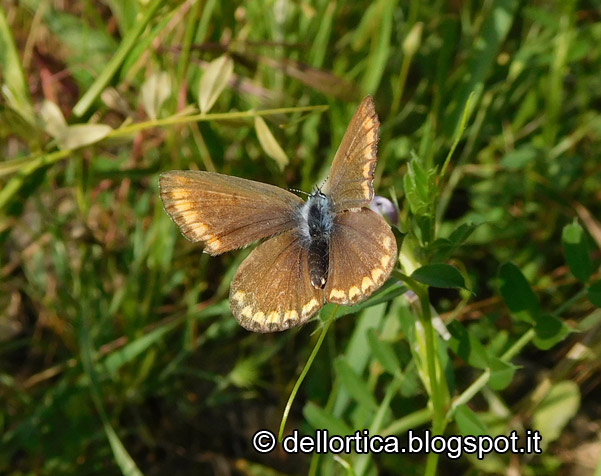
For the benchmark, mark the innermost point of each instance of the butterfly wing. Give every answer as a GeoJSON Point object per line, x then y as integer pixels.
{"type": "Point", "coordinates": [272, 290]}
{"type": "Point", "coordinates": [350, 180]}
{"type": "Point", "coordinates": [224, 212]}
{"type": "Point", "coordinates": [362, 254]}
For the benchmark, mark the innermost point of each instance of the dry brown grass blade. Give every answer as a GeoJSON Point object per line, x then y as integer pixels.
{"type": "Point", "coordinates": [590, 222]}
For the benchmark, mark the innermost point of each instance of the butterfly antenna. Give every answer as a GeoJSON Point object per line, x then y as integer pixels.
{"type": "Point", "coordinates": [319, 188]}
{"type": "Point", "coordinates": [298, 191]}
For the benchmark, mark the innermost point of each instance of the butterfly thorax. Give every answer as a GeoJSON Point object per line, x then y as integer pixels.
{"type": "Point", "coordinates": [315, 223]}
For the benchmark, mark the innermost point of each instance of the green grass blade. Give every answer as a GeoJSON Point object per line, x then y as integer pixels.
{"type": "Point", "coordinates": [125, 46]}
{"type": "Point", "coordinates": [378, 58]}
{"type": "Point", "coordinates": [14, 89]}
{"type": "Point", "coordinates": [122, 458]}
{"type": "Point", "coordinates": [483, 55]}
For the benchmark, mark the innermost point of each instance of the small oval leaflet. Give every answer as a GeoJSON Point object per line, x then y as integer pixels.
{"type": "Point", "coordinates": [439, 276]}
{"type": "Point", "coordinates": [79, 135]}
{"type": "Point", "coordinates": [213, 82]}
{"type": "Point", "coordinates": [269, 143]}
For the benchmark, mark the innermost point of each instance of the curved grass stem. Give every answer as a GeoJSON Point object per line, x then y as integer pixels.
{"type": "Point", "coordinates": [435, 384]}
{"type": "Point", "coordinates": [303, 374]}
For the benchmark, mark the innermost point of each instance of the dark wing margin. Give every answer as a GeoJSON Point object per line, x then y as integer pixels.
{"type": "Point", "coordinates": [271, 290]}
{"type": "Point", "coordinates": [350, 180]}
{"type": "Point", "coordinates": [224, 212]}
{"type": "Point", "coordinates": [363, 252]}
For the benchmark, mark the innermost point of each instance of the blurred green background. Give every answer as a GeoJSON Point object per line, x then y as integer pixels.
{"type": "Point", "coordinates": [118, 352]}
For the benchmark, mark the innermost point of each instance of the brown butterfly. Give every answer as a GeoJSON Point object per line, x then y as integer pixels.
{"type": "Point", "coordinates": [331, 248]}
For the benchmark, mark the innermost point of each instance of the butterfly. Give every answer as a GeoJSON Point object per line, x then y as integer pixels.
{"type": "Point", "coordinates": [329, 248]}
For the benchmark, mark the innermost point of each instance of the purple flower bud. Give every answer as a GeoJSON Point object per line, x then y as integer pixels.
{"type": "Point", "coordinates": [386, 208]}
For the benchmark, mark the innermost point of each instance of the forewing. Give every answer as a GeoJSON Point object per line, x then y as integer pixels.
{"type": "Point", "coordinates": [226, 212]}
{"type": "Point", "coordinates": [350, 180]}
{"type": "Point", "coordinates": [362, 254]}
{"type": "Point", "coordinates": [272, 290]}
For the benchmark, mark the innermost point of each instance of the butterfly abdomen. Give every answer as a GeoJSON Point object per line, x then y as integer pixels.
{"type": "Point", "coordinates": [319, 259]}
{"type": "Point", "coordinates": [315, 222]}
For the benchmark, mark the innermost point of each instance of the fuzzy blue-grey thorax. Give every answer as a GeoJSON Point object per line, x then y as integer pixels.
{"type": "Point", "coordinates": [316, 217]}
{"type": "Point", "coordinates": [315, 224]}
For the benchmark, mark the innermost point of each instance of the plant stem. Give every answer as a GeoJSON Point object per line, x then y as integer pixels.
{"type": "Point", "coordinates": [225, 116]}
{"type": "Point", "coordinates": [363, 460]}
{"type": "Point", "coordinates": [436, 391]}
{"type": "Point", "coordinates": [481, 381]}
{"type": "Point", "coordinates": [128, 42]}
{"type": "Point", "coordinates": [303, 374]}
{"type": "Point", "coordinates": [435, 378]}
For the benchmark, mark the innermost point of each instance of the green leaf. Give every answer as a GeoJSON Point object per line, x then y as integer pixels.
{"type": "Point", "coordinates": [154, 92]}
{"type": "Point", "coordinates": [383, 352]}
{"type": "Point", "coordinates": [557, 408]}
{"type": "Point", "coordinates": [386, 293]}
{"type": "Point", "coordinates": [519, 158]}
{"type": "Point", "coordinates": [462, 233]}
{"type": "Point", "coordinates": [245, 373]}
{"type": "Point", "coordinates": [213, 82]}
{"type": "Point", "coordinates": [381, 46]}
{"type": "Point", "coordinates": [501, 373]}
{"type": "Point", "coordinates": [354, 385]}
{"type": "Point", "coordinates": [467, 346]}
{"type": "Point", "coordinates": [80, 135]}
{"type": "Point", "coordinates": [125, 462]}
{"type": "Point", "coordinates": [125, 46]}
{"type": "Point", "coordinates": [53, 121]}
{"type": "Point", "coordinates": [317, 417]}
{"type": "Point", "coordinates": [125, 13]}
{"type": "Point", "coordinates": [591, 321]}
{"type": "Point", "coordinates": [363, 32]}
{"type": "Point", "coordinates": [593, 293]}
{"type": "Point", "coordinates": [357, 351]}
{"type": "Point", "coordinates": [443, 248]}
{"type": "Point", "coordinates": [420, 187]}
{"type": "Point", "coordinates": [517, 293]}
{"type": "Point", "coordinates": [469, 423]}
{"type": "Point", "coordinates": [549, 331]}
{"type": "Point", "coordinates": [576, 252]}
{"type": "Point", "coordinates": [482, 57]}
{"type": "Point", "coordinates": [14, 88]}
{"type": "Point", "coordinates": [122, 457]}
{"type": "Point", "coordinates": [413, 40]}
{"type": "Point", "coordinates": [440, 276]}
{"type": "Point", "coordinates": [115, 360]}
{"type": "Point", "coordinates": [269, 143]}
